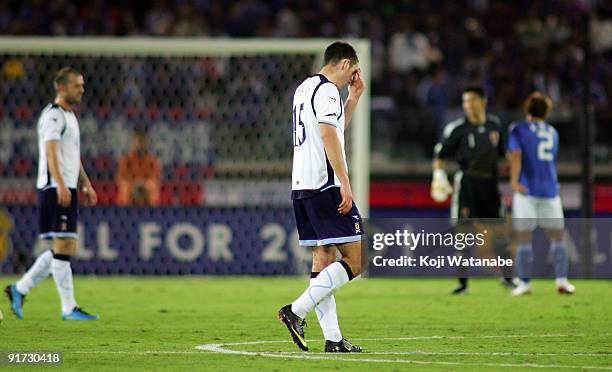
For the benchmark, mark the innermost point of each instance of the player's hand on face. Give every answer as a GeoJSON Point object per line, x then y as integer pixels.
{"type": "Point", "coordinates": [517, 187]}
{"type": "Point", "coordinates": [63, 196]}
{"type": "Point", "coordinates": [347, 198]}
{"type": "Point", "coordinates": [91, 197]}
{"type": "Point", "coordinates": [356, 85]}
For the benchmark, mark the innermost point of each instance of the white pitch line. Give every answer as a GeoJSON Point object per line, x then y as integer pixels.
{"type": "Point", "coordinates": [459, 353]}
{"type": "Point", "coordinates": [466, 337]}
{"type": "Point", "coordinates": [220, 348]}
{"type": "Point", "coordinates": [135, 352]}
{"type": "Point", "coordinates": [416, 352]}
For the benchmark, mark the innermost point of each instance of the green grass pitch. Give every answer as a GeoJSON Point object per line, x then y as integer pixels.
{"type": "Point", "coordinates": [156, 324]}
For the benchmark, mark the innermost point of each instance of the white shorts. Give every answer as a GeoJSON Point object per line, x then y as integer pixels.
{"type": "Point", "coordinates": [529, 212]}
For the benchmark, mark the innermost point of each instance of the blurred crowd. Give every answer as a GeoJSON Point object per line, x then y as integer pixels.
{"type": "Point", "coordinates": [423, 52]}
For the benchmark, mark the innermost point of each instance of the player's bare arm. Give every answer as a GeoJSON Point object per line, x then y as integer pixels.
{"type": "Point", "coordinates": [356, 88]}
{"type": "Point", "coordinates": [333, 150]}
{"type": "Point", "coordinates": [63, 194]}
{"type": "Point", "coordinates": [514, 158]}
{"type": "Point", "coordinates": [85, 186]}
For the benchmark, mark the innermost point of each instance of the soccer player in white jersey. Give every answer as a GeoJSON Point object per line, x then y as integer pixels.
{"type": "Point", "coordinates": [326, 217]}
{"type": "Point", "coordinates": [532, 150]}
{"type": "Point", "coordinates": [60, 173]}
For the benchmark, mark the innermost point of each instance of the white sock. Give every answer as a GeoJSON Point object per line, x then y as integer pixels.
{"type": "Point", "coordinates": [328, 317]}
{"type": "Point", "coordinates": [40, 270]}
{"type": "Point", "coordinates": [331, 278]}
{"type": "Point", "coordinates": [62, 274]}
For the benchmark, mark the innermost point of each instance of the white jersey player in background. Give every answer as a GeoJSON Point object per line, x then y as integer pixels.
{"type": "Point", "coordinates": [60, 173]}
{"type": "Point", "coordinates": [326, 217]}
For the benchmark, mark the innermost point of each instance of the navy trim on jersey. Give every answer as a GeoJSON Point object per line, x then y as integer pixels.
{"type": "Point", "coordinates": [320, 75]}
{"type": "Point", "coordinates": [53, 106]}
{"type": "Point", "coordinates": [305, 194]}
{"type": "Point", "coordinates": [341, 109]}
{"type": "Point", "coordinates": [330, 174]}
{"type": "Point", "coordinates": [314, 92]}
{"type": "Point", "coordinates": [58, 107]}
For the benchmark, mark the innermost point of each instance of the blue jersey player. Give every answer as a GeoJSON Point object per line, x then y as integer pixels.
{"type": "Point", "coordinates": [532, 150]}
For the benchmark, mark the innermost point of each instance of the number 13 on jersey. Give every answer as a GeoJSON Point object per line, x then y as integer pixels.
{"type": "Point", "coordinates": [299, 129]}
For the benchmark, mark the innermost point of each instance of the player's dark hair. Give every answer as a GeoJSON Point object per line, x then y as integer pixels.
{"type": "Point", "coordinates": [61, 77]}
{"type": "Point", "coordinates": [338, 51]}
{"type": "Point", "coordinates": [477, 90]}
{"type": "Point", "coordinates": [538, 105]}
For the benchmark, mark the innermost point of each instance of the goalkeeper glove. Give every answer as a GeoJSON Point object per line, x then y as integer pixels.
{"type": "Point", "coordinates": [440, 187]}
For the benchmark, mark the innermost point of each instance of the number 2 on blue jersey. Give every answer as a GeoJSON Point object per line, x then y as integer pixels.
{"type": "Point", "coordinates": [297, 120]}
{"type": "Point", "coordinates": [545, 145]}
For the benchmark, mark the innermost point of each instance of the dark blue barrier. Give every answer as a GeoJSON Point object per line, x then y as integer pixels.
{"type": "Point", "coordinates": [169, 241]}
{"type": "Point", "coordinates": [257, 241]}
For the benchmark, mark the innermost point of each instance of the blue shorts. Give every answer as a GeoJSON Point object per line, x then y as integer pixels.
{"type": "Point", "coordinates": [319, 222]}
{"type": "Point", "coordinates": [56, 221]}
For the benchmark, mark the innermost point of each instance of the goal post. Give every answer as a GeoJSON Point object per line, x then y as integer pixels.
{"type": "Point", "coordinates": [358, 143]}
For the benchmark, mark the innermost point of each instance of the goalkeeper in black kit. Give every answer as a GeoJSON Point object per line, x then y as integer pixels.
{"type": "Point", "coordinates": [476, 143]}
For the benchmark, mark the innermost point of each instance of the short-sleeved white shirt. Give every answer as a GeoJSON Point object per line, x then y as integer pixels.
{"type": "Point", "coordinates": [316, 102]}
{"type": "Point", "coordinates": [57, 124]}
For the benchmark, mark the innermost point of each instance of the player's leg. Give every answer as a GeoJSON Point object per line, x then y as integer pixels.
{"type": "Point", "coordinates": [496, 244]}
{"type": "Point", "coordinates": [307, 238]}
{"type": "Point", "coordinates": [461, 208]}
{"type": "Point", "coordinates": [40, 270]}
{"type": "Point", "coordinates": [550, 217]}
{"type": "Point", "coordinates": [330, 227]}
{"type": "Point", "coordinates": [351, 254]}
{"type": "Point", "coordinates": [64, 248]}
{"type": "Point", "coordinates": [322, 257]}
{"type": "Point", "coordinates": [524, 222]}
{"type": "Point", "coordinates": [491, 215]}
{"type": "Point", "coordinates": [330, 279]}
{"type": "Point", "coordinates": [47, 211]}
{"type": "Point", "coordinates": [523, 262]}
{"type": "Point", "coordinates": [558, 249]}
{"type": "Point", "coordinates": [463, 227]}
{"type": "Point", "coordinates": [326, 283]}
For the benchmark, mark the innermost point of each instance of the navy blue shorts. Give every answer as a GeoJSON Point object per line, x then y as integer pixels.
{"type": "Point", "coordinates": [56, 221]}
{"type": "Point", "coordinates": [319, 222]}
